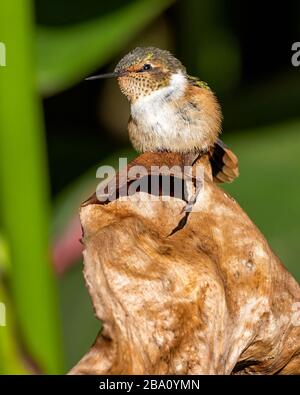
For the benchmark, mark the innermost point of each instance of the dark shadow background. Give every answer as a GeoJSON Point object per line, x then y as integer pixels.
{"type": "Point", "coordinates": [262, 36]}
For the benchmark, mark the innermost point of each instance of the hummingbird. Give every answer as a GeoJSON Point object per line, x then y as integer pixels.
{"type": "Point", "coordinates": [172, 111]}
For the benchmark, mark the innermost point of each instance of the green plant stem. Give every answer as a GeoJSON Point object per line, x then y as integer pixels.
{"type": "Point", "coordinates": [24, 205]}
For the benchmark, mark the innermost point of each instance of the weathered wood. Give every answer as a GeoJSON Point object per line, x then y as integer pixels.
{"type": "Point", "coordinates": [208, 298]}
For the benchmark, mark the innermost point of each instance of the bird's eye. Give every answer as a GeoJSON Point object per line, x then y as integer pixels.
{"type": "Point", "coordinates": [147, 67]}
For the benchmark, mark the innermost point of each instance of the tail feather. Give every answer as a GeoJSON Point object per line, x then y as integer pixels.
{"type": "Point", "coordinates": [224, 163]}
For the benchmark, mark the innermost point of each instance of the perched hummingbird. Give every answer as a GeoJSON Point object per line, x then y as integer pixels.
{"type": "Point", "coordinates": [170, 110]}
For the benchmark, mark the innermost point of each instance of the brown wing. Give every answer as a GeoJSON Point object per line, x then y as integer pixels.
{"type": "Point", "coordinates": [224, 163]}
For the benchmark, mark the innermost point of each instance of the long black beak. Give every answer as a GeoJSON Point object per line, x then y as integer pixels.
{"type": "Point", "coordinates": [102, 76]}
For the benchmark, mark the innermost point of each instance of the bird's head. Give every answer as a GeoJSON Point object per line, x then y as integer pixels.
{"type": "Point", "coordinates": [145, 70]}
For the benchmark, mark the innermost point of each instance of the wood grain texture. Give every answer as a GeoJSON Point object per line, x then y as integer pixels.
{"type": "Point", "coordinates": [210, 298]}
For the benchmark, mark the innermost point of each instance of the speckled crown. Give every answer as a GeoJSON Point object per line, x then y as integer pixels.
{"type": "Point", "coordinates": [140, 54]}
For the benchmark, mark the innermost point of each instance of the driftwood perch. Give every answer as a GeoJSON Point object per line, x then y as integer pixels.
{"type": "Point", "coordinates": [186, 294]}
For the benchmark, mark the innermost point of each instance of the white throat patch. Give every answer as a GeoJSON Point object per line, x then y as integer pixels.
{"type": "Point", "coordinates": [155, 112]}
{"type": "Point", "coordinates": [176, 88]}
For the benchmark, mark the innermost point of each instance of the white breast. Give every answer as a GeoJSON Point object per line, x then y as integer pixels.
{"type": "Point", "coordinates": [155, 113]}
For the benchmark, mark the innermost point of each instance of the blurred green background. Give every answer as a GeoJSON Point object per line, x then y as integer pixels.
{"type": "Point", "coordinates": [55, 130]}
